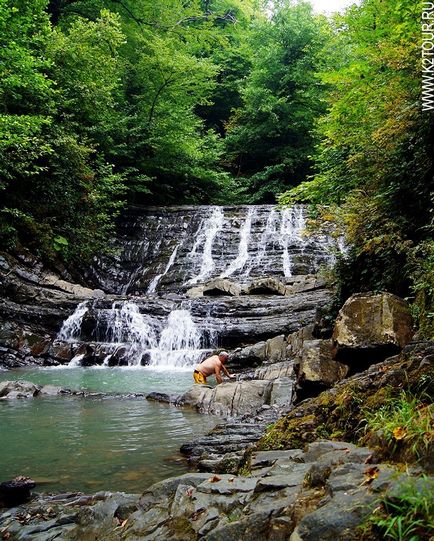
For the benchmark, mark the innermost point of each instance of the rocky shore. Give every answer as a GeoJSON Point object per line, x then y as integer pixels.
{"type": "Point", "coordinates": [283, 488]}
{"type": "Point", "coordinates": [322, 493]}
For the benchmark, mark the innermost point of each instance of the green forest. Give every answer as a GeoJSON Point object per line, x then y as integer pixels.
{"type": "Point", "coordinates": [110, 102]}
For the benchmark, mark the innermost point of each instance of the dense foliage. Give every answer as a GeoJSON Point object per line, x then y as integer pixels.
{"type": "Point", "coordinates": [108, 101]}
{"type": "Point", "coordinates": [218, 101]}
{"type": "Point", "coordinates": [270, 136]}
{"type": "Point", "coordinates": [374, 162]}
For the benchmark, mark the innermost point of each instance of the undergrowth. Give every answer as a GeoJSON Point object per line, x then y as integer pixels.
{"type": "Point", "coordinates": [404, 424]}
{"type": "Point", "coordinates": [407, 514]}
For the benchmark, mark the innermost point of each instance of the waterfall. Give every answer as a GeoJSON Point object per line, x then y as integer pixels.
{"type": "Point", "coordinates": [211, 227]}
{"type": "Point", "coordinates": [180, 342]}
{"type": "Point", "coordinates": [267, 234]}
{"type": "Point", "coordinates": [342, 247]}
{"type": "Point", "coordinates": [293, 223]}
{"type": "Point", "coordinates": [243, 247]}
{"type": "Point", "coordinates": [132, 337]}
{"type": "Point", "coordinates": [155, 281]}
{"type": "Point", "coordinates": [199, 244]}
{"type": "Point", "coordinates": [75, 362]}
{"type": "Point", "coordinates": [213, 241]}
{"type": "Point", "coordinates": [71, 327]}
{"type": "Point", "coordinates": [130, 330]}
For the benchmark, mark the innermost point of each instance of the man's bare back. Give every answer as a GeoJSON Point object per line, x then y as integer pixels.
{"type": "Point", "coordinates": [208, 366]}
{"type": "Point", "coordinates": [213, 366]}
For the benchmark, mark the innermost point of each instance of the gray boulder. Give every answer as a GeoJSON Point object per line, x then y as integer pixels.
{"type": "Point", "coordinates": [237, 398]}
{"type": "Point", "coordinates": [229, 399]}
{"type": "Point", "coordinates": [18, 389]}
{"type": "Point", "coordinates": [273, 350]}
{"type": "Point", "coordinates": [370, 321]}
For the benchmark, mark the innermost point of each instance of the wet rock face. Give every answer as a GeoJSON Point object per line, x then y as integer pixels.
{"type": "Point", "coordinates": [378, 323]}
{"type": "Point", "coordinates": [169, 249]}
{"type": "Point", "coordinates": [243, 274]}
{"type": "Point", "coordinates": [263, 287]}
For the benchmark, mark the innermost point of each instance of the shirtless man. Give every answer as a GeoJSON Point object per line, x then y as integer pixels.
{"type": "Point", "coordinates": [212, 366]}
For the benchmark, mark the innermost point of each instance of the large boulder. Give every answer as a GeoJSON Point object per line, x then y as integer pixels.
{"type": "Point", "coordinates": [317, 365]}
{"type": "Point", "coordinates": [368, 322]}
{"type": "Point", "coordinates": [26, 389]}
{"type": "Point", "coordinates": [269, 351]}
{"type": "Point", "coordinates": [236, 398]}
{"type": "Point", "coordinates": [16, 491]}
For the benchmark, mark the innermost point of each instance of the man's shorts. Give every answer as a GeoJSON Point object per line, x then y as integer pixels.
{"type": "Point", "coordinates": [199, 377]}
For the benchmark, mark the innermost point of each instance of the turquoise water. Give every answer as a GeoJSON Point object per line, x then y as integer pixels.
{"type": "Point", "coordinates": [90, 444]}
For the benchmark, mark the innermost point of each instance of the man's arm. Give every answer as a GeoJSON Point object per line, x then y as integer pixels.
{"type": "Point", "coordinates": [217, 373]}
{"type": "Point", "coordinates": [227, 373]}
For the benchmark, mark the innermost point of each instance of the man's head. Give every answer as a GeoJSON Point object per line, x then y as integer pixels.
{"type": "Point", "coordinates": [223, 356]}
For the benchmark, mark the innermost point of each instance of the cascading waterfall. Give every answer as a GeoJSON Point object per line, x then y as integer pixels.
{"type": "Point", "coordinates": [180, 342]}
{"type": "Point", "coordinates": [207, 235]}
{"type": "Point", "coordinates": [71, 327]}
{"type": "Point", "coordinates": [267, 234]}
{"type": "Point", "coordinates": [213, 242]}
{"type": "Point", "coordinates": [251, 242]}
{"type": "Point", "coordinates": [243, 248]}
{"type": "Point", "coordinates": [127, 328]}
{"type": "Point", "coordinates": [134, 337]}
{"type": "Point", "coordinates": [155, 281]}
{"type": "Point", "coordinates": [292, 225]}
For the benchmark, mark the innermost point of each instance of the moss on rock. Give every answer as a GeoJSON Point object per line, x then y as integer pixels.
{"type": "Point", "coordinates": [340, 413]}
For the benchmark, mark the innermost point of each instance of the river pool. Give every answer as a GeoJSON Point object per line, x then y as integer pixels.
{"type": "Point", "coordinates": [89, 444]}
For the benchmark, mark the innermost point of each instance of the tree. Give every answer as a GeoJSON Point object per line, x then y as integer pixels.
{"type": "Point", "coordinates": [59, 195]}
{"type": "Point", "coordinates": [375, 158]}
{"type": "Point", "coordinates": [270, 137]}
